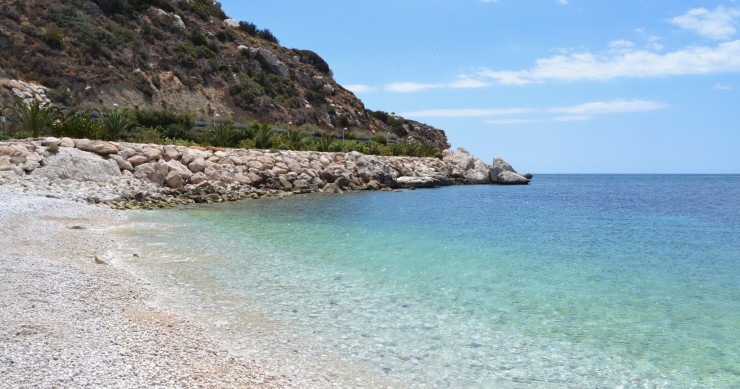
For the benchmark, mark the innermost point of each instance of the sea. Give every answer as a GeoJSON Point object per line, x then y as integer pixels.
{"type": "Point", "coordinates": [574, 281]}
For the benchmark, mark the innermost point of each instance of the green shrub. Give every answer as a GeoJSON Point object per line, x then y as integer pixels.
{"type": "Point", "coordinates": [77, 124]}
{"type": "Point", "coordinates": [381, 139]}
{"type": "Point", "coordinates": [146, 135]}
{"type": "Point", "coordinates": [246, 144]}
{"type": "Point", "coordinates": [54, 39]}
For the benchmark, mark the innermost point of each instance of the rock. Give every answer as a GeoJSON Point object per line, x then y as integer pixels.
{"type": "Point", "coordinates": [167, 19]}
{"type": "Point", "coordinates": [332, 188]}
{"type": "Point", "coordinates": [476, 177]}
{"type": "Point", "coordinates": [170, 153]}
{"type": "Point", "coordinates": [67, 142]}
{"type": "Point", "coordinates": [5, 164]}
{"type": "Point", "coordinates": [417, 182]}
{"type": "Point", "coordinates": [122, 163]}
{"type": "Point", "coordinates": [104, 148]}
{"type": "Point", "coordinates": [373, 185]}
{"type": "Point", "coordinates": [100, 261]}
{"type": "Point", "coordinates": [497, 167]}
{"type": "Point", "coordinates": [50, 141]}
{"type": "Point", "coordinates": [198, 165]}
{"type": "Point", "coordinates": [198, 178]}
{"type": "Point", "coordinates": [84, 144]}
{"type": "Point", "coordinates": [273, 62]}
{"type": "Point", "coordinates": [174, 180]}
{"type": "Point", "coordinates": [511, 178]}
{"type": "Point", "coordinates": [300, 184]}
{"type": "Point", "coordinates": [231, 23]}
{"type": "Point", "coordinates": [75, 164]}
{"type": "Point", "coordinates": [502, 173]}
{"type": "Point", "coordinates": [138, 159]}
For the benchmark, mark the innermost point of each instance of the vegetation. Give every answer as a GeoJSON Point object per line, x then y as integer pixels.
{"type": "Point", "coordinates": [167, 127]}
{"type": "Point", "coordinates": [35, 117]}
{"type": "Point", "coordinates": [117, 122]}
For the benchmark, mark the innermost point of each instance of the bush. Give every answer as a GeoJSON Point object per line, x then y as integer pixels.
{"type": "Point", "coordinates": [264, 136]}
{"type": "Point", "coordinates": [80, 125]}
{"type": "Point", "coordinates": [315, 60]}
{"type": "Point", "coordinates": [54, 39]}
{"type": "Point", "coordinates": [117, 122]}
{"type": "Point", "coordinates": [146, 135]}
{"type": "Point", "coordinates": [221, 134]}
{"type": "Point", "coordinates": [246, 144]}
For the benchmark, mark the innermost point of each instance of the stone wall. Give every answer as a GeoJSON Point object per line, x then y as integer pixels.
{"type": "Point", "coordinates": [155, 174]}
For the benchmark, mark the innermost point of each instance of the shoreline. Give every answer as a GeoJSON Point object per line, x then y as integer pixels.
{"type": "Point", "coordinates": [69, 321]}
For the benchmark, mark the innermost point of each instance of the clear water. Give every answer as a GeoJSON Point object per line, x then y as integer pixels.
{"type": "Point", "coordinates": [573, 281]}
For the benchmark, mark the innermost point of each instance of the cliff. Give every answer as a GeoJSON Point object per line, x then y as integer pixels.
{"type": "Point", "coordinates": [180, 55]}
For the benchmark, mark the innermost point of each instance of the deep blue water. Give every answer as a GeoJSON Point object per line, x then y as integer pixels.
{"type": "Point", "coordinates": [572, 281]}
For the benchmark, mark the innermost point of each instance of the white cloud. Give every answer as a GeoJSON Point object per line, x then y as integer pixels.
{"type": "Point", "coordinates": [610, 107]}
{"type": "Point", "coordinates": [489, 1]}
{"type": "Point", "coordinates": [563, 2]}
{"type": "Point", "coordinates": [628, 63]}
{"type": "Point", "coordinates": [723, 87]}
{"type": "Point", "coordinates": [406, 87]}
{"type": "Point", "coordinates": [467, 112]}
{"type": "Point", "coordinates": [521, 115]}
{"type": "Point", "coordinates": [718, 24]}
{"type": "Point", "coordinates": [359, 88]}
{"type": "Point", "coordinates": [462, 82]}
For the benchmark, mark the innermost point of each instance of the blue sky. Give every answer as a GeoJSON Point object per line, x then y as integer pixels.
{"type": "Point", "coordinates": [552, 86]}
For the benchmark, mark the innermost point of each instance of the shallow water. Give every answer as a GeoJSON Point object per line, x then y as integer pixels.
{"type": "Point", "coordinates": [573, 281]}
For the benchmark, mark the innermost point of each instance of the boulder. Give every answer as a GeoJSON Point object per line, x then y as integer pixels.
{"type": "Point", "coordinates": [123, 164]}
{"type": "Point", "coordinates": [198, 178]}
{"type": "Point", "coordinates": [50, 141]}
{"type": "Point", "coordinates": [84, 144]}
{"type": "Point", "coordinates": [75, 164]}
{"type": "Point", "coordinates": [502, 173]}
{"type": "Point", "coordinates": [332, 188]}
{"type": "Point", "coordinates": [174, 180]}
{"type": "Point", "coordinates": [198, 165]}
{"type": "Point", "coordinates": [497, 167]}
{"type": "Point", "coordinates": [272, 61]}
{"type": "Point", "coordinates": [104, 148]}
{"type": "Point", "coordinates": [231, 23]}
{"type": "Point", "coordinates": [138, 159]}
{"type": "Point", "coordinates": [511, 178]}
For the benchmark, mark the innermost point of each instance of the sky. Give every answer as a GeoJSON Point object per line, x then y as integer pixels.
{"type": "Point", "coordinates": [551, 86]}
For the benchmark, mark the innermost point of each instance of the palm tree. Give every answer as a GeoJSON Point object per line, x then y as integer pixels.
{"type": "Point", "coordinates": [117, 122]}
{"type": "Point", "coordinates": [264, 137]}
{"type": "Point", "coordinates": [34, 116]}
{"type": "Point", "coordinates": [222, 133]}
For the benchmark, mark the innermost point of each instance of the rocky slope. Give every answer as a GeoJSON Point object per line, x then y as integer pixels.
{"type": "Point", "coordinates": [130, 175]}
{"type": "Point", "coordinates": [183, 55]}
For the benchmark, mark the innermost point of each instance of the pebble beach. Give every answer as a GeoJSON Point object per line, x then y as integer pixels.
{"type": "Point", "coordinates": [67, 320]}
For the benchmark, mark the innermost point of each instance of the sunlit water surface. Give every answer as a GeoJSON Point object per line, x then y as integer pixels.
{"type": "Point", "coordinates": [572, 281]}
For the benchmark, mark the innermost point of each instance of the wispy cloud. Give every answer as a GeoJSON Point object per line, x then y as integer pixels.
{"type": "Point", "coordinates": [723, 87]}
{"type": "Point", "coordinates": [468, 112]}
{"type": "Point", "coordinates": [718, 24]}
{"type": "Point", "coordinates": [624, 63]}
{"type": "Point", "coordinates": [462, 82]}
{"type": "Point", "coordinates": [610, 107]}
{"type": "Point", "coordinates": [563, 2]}
{"type": "Point", "coordinates": [360, 88]}
{"type": "Point", "coordinates": [522, 115]}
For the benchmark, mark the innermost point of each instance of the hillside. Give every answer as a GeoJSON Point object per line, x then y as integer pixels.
{"type": "Point", "coordinates": [184, 56]}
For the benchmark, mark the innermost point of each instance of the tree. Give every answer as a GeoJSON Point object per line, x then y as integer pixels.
{"type": "Point", "coordinates": [116, 122]}
{"type": "Point", "coordinates": [34, 116]}
{"type": "Point", "coordinates": [221, 133]}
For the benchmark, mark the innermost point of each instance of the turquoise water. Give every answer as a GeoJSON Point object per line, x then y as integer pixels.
{"type": "Point", "coordinates": [573, 281]}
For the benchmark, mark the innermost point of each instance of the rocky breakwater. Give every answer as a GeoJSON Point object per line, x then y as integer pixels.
{"type": "Point", "coordinates": [127, 175]}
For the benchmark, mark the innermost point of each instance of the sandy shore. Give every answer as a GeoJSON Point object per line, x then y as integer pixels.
{"type": "Point", "coordinates": [66, 321]}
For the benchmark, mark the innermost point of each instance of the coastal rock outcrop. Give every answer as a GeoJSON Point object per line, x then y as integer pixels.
{"type": "Point", "coordinates": [502, 173]}
{"type": "Point", "coordinates": [178, 174]}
